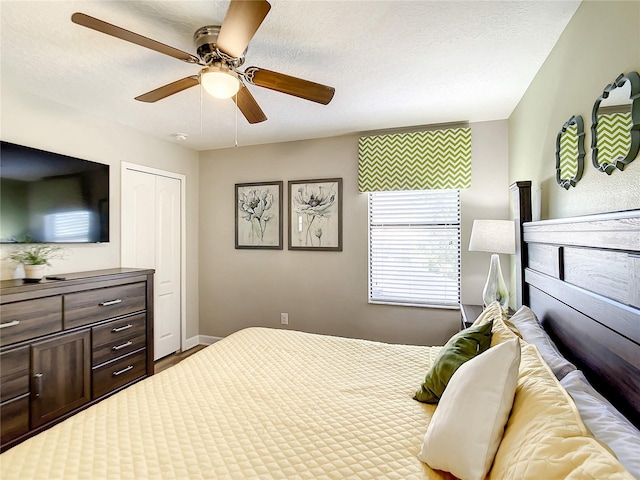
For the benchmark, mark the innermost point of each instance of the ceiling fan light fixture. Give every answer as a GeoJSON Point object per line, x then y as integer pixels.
{"type": "Point", "coordinates": [219, 81]}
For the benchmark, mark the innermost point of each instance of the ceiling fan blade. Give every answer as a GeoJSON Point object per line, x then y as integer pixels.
{"type": "Point", "coordinates": [249, 107]}
{"type": "Point", "coordinates": [241, 22]}
{"type": "Point", "coordinates": [297, 87]}
{"type": "Point", "coordinates": [114, 31]}
{"type": "Point", "coordinates": [169, 89]}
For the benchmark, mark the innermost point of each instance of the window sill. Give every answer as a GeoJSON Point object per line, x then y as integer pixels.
{"type": "Point", "coordinates": [420, 305]}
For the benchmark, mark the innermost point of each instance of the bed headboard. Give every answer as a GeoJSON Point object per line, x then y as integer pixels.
{"type": "Point", "coordinates": [581, 276]}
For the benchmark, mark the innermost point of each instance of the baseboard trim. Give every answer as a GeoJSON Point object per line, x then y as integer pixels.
{"type": "Point", "coordinates": [207, 339]}
{"type": "Point", "coordinates": [199, 340]}
{"type": "Point", "coordinates": [190, 343]}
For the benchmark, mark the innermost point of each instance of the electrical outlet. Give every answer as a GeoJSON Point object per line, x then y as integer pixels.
{"type": "Point", "coordinates": [284, 318]}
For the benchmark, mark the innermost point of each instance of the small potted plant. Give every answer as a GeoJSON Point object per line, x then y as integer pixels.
{"type": "Point", "coordinates": [35, 258]}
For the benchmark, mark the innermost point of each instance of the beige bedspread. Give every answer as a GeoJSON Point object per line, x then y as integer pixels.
{"type": "Point", "coordinates": [259, 404]}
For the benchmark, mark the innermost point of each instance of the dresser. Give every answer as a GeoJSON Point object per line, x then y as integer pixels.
{"type": "Point", "coordinates": [66, 344]}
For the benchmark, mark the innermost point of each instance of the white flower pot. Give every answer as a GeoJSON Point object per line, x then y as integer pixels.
{"type": "Point", "coordinates": [34, 273]}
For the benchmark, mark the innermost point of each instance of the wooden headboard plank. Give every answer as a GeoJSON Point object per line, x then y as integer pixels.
{"type": "Point", "coordinates": [619, 231]}
{"type": "Point", "coordinates": [610, 362]}
{"type": "Point", "coordinates": [606, 272]}
{"type": "Point", "coordinates": [619, 318]}
{"type": "Point", "coordinates": [634, 279]}
{"type": "Point", "coordinates": [546, 259]}
{"type": "Point", "coordinates": [582, 277]}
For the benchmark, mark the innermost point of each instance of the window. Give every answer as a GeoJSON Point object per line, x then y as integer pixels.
{"type": "Point", "coordinates": [414, 247]}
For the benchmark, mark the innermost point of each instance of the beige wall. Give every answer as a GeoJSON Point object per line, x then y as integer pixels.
{"type": "Point", "coordinates": [39, 123]}
{"type": "Point", "coordinates": [326, 292]}
{"type": "Point", "coordinates": [250, 287]}
{"type": "Point", "coordinates": [601, 41]}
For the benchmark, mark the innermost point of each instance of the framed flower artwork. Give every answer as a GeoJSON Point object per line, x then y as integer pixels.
{"type": "Point", "coordinates": [259, 215]}
{"type": "Point", "coordinates": [315, 214]}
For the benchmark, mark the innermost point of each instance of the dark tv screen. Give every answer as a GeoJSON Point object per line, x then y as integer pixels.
{"type": "Point", "coordinates": [52, 198]}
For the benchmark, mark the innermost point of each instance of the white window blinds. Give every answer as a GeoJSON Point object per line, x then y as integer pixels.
{"type": "Point", "coordinates": [414, 247]}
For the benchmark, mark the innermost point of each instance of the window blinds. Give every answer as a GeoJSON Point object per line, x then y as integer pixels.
{"type": "Point", "coordinates": [414, 247]}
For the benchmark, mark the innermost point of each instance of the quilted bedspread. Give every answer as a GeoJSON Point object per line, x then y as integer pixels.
{"type": "Point", "coordinates": [259, 404]}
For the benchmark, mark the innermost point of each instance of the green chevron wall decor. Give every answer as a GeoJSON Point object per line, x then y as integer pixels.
{"type": "Point", "coordinates": [570, 152]}
{"type": "Point", "coordinates": [614, 136]}
{"type": "Point", "coordinates": [615, 127]}
{"type": "Point", "coordinates": [435, 159]}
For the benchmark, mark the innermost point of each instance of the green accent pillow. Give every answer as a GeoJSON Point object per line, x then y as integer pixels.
{"type": "Point", "coordinates": [463, 346]}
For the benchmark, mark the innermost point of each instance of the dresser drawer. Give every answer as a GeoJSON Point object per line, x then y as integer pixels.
{"type": "Point", "coordinates": [14, 373]}
{"type": "Point", "coordinates": [92, 306]}
{"type": "Point", "coordinates": [118, 338]}
{"type": "Point", "coordinates": [118, 373]}
{"type": "Point", "coordinates": [30, 318]}
{"type": "Point", "coordinates": [119, 329]}
{"type": "Point", "coordinates": [14, 418]}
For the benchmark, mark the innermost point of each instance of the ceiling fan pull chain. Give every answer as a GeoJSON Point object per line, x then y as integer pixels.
{"type": "Point", "coordinates": [200, 107]}
{"type": "Point", "coordinates": [236, 109]}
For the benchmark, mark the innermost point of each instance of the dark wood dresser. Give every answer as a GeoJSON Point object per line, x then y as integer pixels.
{"type": "Point", "coordinates": [66, 344]}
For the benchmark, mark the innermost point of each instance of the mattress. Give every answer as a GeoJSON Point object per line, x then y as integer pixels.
{"type": "Point", "coordinates": [261, 403]}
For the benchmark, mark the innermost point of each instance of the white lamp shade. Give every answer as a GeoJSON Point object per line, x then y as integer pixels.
{"type": "Point", "coordinates": [493, 236]}
{"type": "Point", "coordinates": [220, 82]}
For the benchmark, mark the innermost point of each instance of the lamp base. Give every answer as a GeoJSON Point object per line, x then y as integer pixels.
{"type": "Point", "coordinates": [495, 288]}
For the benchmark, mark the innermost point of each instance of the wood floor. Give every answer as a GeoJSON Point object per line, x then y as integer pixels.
{"type": "Point", "coordinates": [171, 360]}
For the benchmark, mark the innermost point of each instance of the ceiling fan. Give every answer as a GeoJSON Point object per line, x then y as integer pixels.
{"type": "Point", "coordinates": [221, 51]}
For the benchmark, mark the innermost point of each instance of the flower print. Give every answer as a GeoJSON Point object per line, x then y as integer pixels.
{"type": "Point", "coordinates": [254, 205]}
{"type": "Point", "coordinates": [314, 202]}
{"type": "Point", "coordinates": [317, 201]}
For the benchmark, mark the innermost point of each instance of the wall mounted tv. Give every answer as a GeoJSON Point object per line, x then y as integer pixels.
{"type": "Point", "coordinates": [52, 198]}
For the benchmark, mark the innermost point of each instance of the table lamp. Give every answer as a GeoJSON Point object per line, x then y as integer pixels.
{"type": "Point", "coordinates": [494, 236]}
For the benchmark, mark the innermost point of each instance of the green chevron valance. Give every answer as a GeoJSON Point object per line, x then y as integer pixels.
{"type": "Point", "coordinates": [435, 159]}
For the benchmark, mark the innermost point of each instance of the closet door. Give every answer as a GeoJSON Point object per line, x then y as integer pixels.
{"type": "Point", "coordinates": [167, 281]}
{"type": "Point", "coordinates": [151, 238]}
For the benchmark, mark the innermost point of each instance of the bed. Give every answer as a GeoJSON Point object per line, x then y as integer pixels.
{"type": "Point", "coordinates": [266, 403]}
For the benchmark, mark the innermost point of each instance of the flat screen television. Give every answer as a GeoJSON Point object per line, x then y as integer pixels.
{"type": "Point", "coordinates": [52, 198]}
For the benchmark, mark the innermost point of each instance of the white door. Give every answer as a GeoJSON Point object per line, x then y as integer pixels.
{"type": "Point", "coordinates": [167, 280]}
{"type": "Point", "coordinates": [151, 238]}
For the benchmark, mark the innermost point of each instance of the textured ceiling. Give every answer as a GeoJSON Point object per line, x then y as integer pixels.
{"type": "Point", "coordinates": [393, 63]}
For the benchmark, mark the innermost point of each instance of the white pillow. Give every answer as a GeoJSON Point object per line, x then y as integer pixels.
{"type": "Point", "coordinates": [532, 332]}
{"type": "Point", "coordinates": [468, 423]}
{"type": "Point", "coordinates": [605, 422]}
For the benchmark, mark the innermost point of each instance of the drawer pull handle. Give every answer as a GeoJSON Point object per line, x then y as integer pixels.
{"type": "Point", "coordinates": [120, 347]}
{"type": "Point", "coordinates": [120, 372]}
{"type": "Point", "coordinates": [110, 302]}
{"type": "Point", "coordinates": [38, 384]}
{"type": "Point", "coordinates": [9, 324]}
{"type": "Point", "coordinates": [120, 329]}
